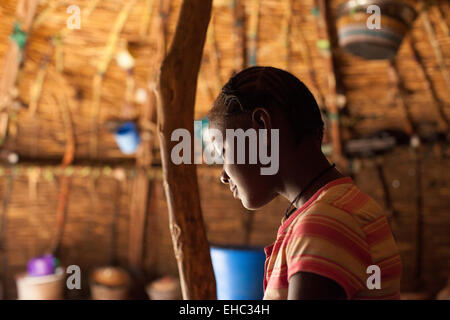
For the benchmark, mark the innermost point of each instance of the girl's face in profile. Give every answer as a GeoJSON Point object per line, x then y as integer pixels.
{"type": "Point", "coordinates": [245, 180]}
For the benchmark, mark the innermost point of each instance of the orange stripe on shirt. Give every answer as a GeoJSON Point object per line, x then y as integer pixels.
{"type": "Point", "coordinates": [330, 234]}
{"type": "Point", "coordinates": [337, 238]}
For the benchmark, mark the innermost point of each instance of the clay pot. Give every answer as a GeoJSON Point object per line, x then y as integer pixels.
{"type": "Point", "coordinates": [165, 288]}
{"type": "Point", "coordinates": [444, 294]}
{"type": "Point", "coordinates": [49, 287]}
{"type": "Point", "coordinates": [110, 283]}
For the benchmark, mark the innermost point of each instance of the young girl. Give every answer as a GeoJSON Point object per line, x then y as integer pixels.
{"type": "Point", "coordinates": [331, 232]}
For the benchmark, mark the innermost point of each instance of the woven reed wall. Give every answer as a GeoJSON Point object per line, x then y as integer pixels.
{"type": "Point", "coordinates": [225, 218]}
{"type": "Point", "coordinates": [31, 218]}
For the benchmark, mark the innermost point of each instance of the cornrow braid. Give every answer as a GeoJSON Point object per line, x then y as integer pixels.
{"type": "Point", "coordinates": [270, 88]}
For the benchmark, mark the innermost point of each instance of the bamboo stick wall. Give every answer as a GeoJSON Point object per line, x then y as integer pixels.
{"type": "Point", "coordinates": [31, 217]}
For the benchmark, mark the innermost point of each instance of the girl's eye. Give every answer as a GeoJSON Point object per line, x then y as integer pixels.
{"type": "Point", "coordinates": [218, 150]}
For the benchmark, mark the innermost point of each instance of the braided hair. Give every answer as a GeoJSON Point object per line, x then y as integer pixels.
{"type": "Point", "coordinates": [270, 88]}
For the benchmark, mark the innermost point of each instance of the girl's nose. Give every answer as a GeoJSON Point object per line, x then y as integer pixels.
{"type": "Point", "coordinates": [224, 178]}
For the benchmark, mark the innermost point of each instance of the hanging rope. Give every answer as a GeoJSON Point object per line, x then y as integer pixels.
{"type": "Point", "coordinates": [25, 12]}
{"type": "Point", "coordinates": [101, 70]}
{"type": "Point", "coordinates": [148, 11]}
{"type": "Point", "coordinates": [443, 119]}
{"type": "Point", "coordinates": [331, 99]}
{"type": "Point", "coordinates": [308, 61]}
{"type": "Point", "coordinates": [286, 30]}
{"type": "Point", "coordinates": [239, 35]}
{"type": "Point", "coordinates": [401, 96]}
{"type": "Point", "coordinates": [435, 44]}
{"type": "Point", "coordinates": [214, 55]}
{"type": "Point", "coordinates": [253, 32]}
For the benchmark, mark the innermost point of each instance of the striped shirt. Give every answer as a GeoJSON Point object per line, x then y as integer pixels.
{"type": "Point", "coordinates": [337, 234]}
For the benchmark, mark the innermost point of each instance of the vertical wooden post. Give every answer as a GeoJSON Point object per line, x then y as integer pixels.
{"type": "Point", "coordinates": [239, 36]}
{"type": "Point", "coordinates": [25, 13]}
{"type": "Point", "coordinates": [142, 186]}
{"type": "Point", "coordinates": [253, 32]}
{"type": "Point", "coordinates": [401, 97]}
{"type": "Point", "coordinates": [435, 43]}
{"type": "Point", "coordinates": [176, 99]}
{"type": "Point", "coordinates": [138, 217]}
{"type": "Point", "coordinates": [443, 120]}
{"type": "Point", "coordinates": [333, 83]}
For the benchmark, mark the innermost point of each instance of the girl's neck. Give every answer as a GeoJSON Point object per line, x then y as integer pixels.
{"type": "Point", "coordinates": [300, 177]}
{"type": "Point", "coordinates": [333, 174]}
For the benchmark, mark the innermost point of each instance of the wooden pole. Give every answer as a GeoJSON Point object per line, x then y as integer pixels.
{"type": "Point", "coordinates": [286, 33]}
{"type": "Point", "coordinates": [420, 221]}
{"type": "Point", "coordinates": [214, 56]}
{"type": "Point", "coordinates": [176, 99]}
{"type": "Point", "coordinates": [401, 97]}
{"type": "Point", "coordinates": [3, 237]}
{"type": "Point", "coordinates": [25, 13]}
{"type": "Point", "coordinates": [253, 33]}
{"type": "Point", "coordinates": [61, 99]}
{"type": "Point", "coordinates": [305, 52]}
{"type": "Point", "coordinates": [333, 85]}
{"type": "Point", "coordinates": [138, 217]}
{"type": "Point", "coordinates": [435, 44]}
{"type": "Point", "coordinates": [239, 35]}
{"type": "Point", "coordinates": [139, 208]}
{"type": "Point", "coordinates": [443, 121]}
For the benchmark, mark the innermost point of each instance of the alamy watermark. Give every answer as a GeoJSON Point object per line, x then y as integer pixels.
{"type": "Point", "coordinates": [74, 21]}
{"type": "Point", "coordinates": [74, 280]}
{"type": "Point", "coordinates": [374, 281]}
{"type": "Point", "coordinates": [374, 21]}
{"type": "Point", "coordinates": [236, 147]}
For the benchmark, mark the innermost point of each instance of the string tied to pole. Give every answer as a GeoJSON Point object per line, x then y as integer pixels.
{"type": "Point", "coordinates": [19, 36]}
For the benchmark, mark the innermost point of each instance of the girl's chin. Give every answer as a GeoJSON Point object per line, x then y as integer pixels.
{"type": "Point", "coordinates": [255, 203]}
{"type": "Point", "coordinates": [248, 205]}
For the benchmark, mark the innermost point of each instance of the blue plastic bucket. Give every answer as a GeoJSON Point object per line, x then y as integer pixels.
{"type": "Point", "coordinates": [127, 138]}
{"type": "Point", "coordinates": [239, 272]}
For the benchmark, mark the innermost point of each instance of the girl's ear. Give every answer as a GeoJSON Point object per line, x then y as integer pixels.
{"type": "Point", "coordinates": [262, 122]}
{"type": "Point", "coordinates": [261, 119]}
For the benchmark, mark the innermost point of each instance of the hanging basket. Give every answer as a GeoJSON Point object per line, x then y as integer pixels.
{"type": "Point", "coordinates": [359, 35]}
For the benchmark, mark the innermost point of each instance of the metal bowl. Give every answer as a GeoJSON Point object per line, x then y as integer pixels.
{"type": "Point", "coordinates": [392, 8]}
{"type": "Point", "coordinates": [373, 44]}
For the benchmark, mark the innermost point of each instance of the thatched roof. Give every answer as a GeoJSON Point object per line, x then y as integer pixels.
{"type": "Point", "coordinates": [287, 37]}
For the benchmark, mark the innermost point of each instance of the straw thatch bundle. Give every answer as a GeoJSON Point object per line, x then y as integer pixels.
{"type": "Point", "coordinates": [81, 64]}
